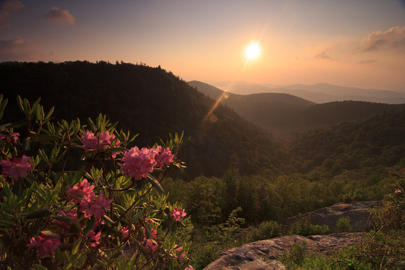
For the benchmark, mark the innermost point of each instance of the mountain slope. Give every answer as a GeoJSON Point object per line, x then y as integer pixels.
{"type": "Point", "coordinates": [266, 109]}
{"type": "Point", "coordinates": [148, 101]}
{"type": "Point", "coordinates": [285, 114]}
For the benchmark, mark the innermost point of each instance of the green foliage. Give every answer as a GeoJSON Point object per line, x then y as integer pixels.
{"type": "Point", "coordinates": [266, 230]}
{"type": "Point", "coordinates": [343, 225]}
{"type": "Point", "coordinates": [228, 231]}
{"type": "Point", "coordinates": [349, 197]}
{"type": "Point", "coordinates": [304, 227]}
{"type": "Point", "coordinates": [53, 218]}
{"type": "Point", "coordinates": [295, 256]}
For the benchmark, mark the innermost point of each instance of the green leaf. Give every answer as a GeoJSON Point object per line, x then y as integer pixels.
{"type": "Point", "coordinates": [26, 144]}
{"type": "Point", "coordinates": [115, 149]}
{"type": "Point", "coordinates": [62, 218]}
{"type": "Point", "coordinates": [61, 256]}
{"type": "Point", "coordinates": [155, 183]}
{"type": "Point", "coordinates": [40, 267]}
{"type": "Point", "coordinates": [6, 224]}
{"type": "Point", "coordinates": [89, 226]}
{"type": "Point", "coordinates": [39, 214]}
{"type": "Point", "coordinates": [2, 106]}
{"type": "Point", "coordinates": [20, 103]}
{"type": "Point", "coordinates": [73, 260]}
{"type": "Point", "coordinates": [49, 113]}
{"type": "Point", "coordinates": [141, 248]}
{"type": "Point", "coordinates": [40, 113]}
{"type": "Point", "coordinates": [17, 124]}
{"type": "Point", "coordinates": [138, 216]}
{"type": "Point", "coordinates": [76, 246]}
{"type": "Point", "coordinates": [4, 126]}
{"type": "Point", "coordinates": [44, 137]}
{"type": "Point", "coordinates": [50, 234]}
{"type": "Point", "coordinates": [108, 219]}
{"type": "Point", "coordinates": [34, 106]}
{"type": "Point", "coordinates": [91, 124]}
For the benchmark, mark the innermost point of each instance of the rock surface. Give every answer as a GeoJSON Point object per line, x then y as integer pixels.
{"type": "Point", "coordinates": [263, 255]}
{"type": "Point", "coordinates": [358, 213]}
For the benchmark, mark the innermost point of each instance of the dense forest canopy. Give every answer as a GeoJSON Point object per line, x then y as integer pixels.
{"type": "Point", "coordinates": [148, 101]}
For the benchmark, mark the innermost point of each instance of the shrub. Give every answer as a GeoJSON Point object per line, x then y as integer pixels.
{"type": "Point", "coordinates": [304, 227]}
{"type": "Point", "coordinates": [343, 225]}
{"type": "Point", "coordinates": [90, 214]}
{"type": "Point", "coordinates": [266, 230]}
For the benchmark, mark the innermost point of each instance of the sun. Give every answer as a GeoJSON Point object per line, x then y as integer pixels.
{"type": "Point", "coordinates": [253, 50]}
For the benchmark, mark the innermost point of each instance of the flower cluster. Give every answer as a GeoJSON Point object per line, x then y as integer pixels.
{"type": "Point", "coordinates": [163, 156]}
{"type": "Point", "coordinates": [138, 163]}
{"type": "Point", "coordinates": [12, 138]}
{"type": "Point", "coordinates": [88, 204]}
{"type": "Point", "coordinates": [16, 167]}
{"type": "Point", "coordinates": [178, 214]}
{"type": "Point", "coordinates": [94, 143]}
{"type": "Point", "coordinates": [45, 243]}
{"type": "Point", "coordinates": [398, 191]}
{"type": "Point", "coordinates": [150, 244]}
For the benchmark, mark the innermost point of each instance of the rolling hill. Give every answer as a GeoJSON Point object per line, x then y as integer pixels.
{"type": "Point", "coordinates": [285, 114]}
{"type": "Point", "coordinates": [318, 93]}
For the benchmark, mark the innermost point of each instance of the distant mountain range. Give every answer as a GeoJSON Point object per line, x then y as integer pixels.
{"type": "Point", "coordinates": [285, 114]}
{"type": "Point", "coordinates": [318, 93]}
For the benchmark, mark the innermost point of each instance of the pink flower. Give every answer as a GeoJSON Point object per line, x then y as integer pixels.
{"type": "Point", "coordinates": [45, 244]}
{"type": "Point", "coordinates": [95, 207]}
{"type": "Point", "coordinates": [84, 189]}
{"type": "Point", "coordinates": [12, 138]}
{"type": "Point", "coordinates": [124, 231]}
{"type": "Point", "coordinates": [16, 167]}
{"type": "Point", "coordinates": [178, 214]}
{"type": "Point", "coordinates": [94, 239]}
{"type": "Point", "coordinates": [398, 191]}
{"type": "Point", "coordinates": [72, 214]}
{"type": "Point", "coordinates": [102, 142]}
{"type": "Point", "coordinates": [163, 156]}
{"type": "Point", "coordinates": [189, 268]}
{"type": "Point", "coordinates": [89, 141]}
{"type": "Point", "coordinates": [138, 163]}
{"type": "Point", "coordinates": [180, 251]}
{"type": "Point", "coordinates": [150, 244]}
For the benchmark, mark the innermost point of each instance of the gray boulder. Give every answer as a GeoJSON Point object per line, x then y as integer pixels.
{"type": "Point", "coordinates": [263, 255]}
{"type": "Point", "coordinates": [358, 212]}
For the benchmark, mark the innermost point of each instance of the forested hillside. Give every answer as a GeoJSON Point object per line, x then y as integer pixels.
{"type": "Point", "coordinates": [286, 115]}
{"type": "Point", "coordinates": [148, 101]}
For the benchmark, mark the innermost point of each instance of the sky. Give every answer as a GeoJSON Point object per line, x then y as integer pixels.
{"type": "Point", "coordinates": [359, 43]}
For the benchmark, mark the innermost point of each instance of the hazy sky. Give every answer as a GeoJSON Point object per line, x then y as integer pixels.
{"type": "Point", "coordinates": [344, 42]}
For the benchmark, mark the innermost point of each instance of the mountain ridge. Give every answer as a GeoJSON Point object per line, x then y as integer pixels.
{"type": "Point", "coordinates": [318, 93]}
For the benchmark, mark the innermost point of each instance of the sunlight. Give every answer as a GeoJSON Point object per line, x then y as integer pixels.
{"type": "Point", "coordinates": [253, 50]}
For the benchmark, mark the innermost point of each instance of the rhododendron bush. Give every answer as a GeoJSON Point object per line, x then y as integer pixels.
{"type": "Point", "coordinates": [104, 214]}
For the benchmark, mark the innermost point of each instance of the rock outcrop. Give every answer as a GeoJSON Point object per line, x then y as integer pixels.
{"type": "Point", "coordinates": [358, 213]}
{"type": "Point", "coordinates": [263, 255]}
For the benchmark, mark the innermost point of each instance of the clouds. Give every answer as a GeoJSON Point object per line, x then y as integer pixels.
{"type": "Point", "coordinates": [59, 16]}
{"type": "Point", "coordinates": [18, 49]}
{"type": "Point", "coordinates": [393, 38]}
{"type": "Point", "coordinates": [368, 61]}
{"type": "Point", "coordinates": [323, 55]}
{"type": "Point", "coordinates": [7, 8]}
